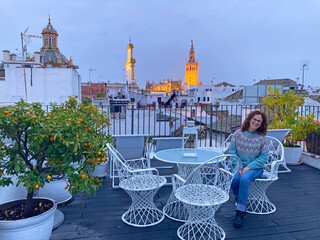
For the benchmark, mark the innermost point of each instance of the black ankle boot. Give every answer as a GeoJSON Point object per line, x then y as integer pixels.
{"type": "Point", "coordinates": [238, 220]}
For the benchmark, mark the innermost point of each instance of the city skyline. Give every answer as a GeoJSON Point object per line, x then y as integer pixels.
{"type": "Point", "coordinates": [235, 42]}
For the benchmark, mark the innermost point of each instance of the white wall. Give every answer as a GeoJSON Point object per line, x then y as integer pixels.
{"type": "Point", "coordinates": [48, 85]}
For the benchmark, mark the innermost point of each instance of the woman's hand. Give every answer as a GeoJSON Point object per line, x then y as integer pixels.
{"type": "Point", "coordinates": [243, 170]}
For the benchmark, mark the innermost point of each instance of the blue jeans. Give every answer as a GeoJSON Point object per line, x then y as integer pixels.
{"type": "Point", "coordinates": [241, 186]}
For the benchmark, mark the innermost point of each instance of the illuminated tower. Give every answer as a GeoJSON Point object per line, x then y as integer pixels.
{"type": "Point", "coordinates": [130, 65]}
{"type": "Point", "coordinates": [192, 68]}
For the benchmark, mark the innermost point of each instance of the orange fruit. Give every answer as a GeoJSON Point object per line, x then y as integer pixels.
{"type": "Point", "coordinates": [6, 112]}
{"type": "Point", "coordinates": [34, 116]}
{"type": "Point", "coordinates": [99, 153]}
{"type": "Point", "coordinates": [49, 177]}
{"type": "Point", "coordinates": [66, 187]}
{"type": "Point", "coordinates": [37, 186]}
{"type": "Point", "coordinates": [42, 136]}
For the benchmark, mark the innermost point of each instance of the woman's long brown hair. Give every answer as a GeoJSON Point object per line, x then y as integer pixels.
{"type": "Point", "coordinates": [264, 125]}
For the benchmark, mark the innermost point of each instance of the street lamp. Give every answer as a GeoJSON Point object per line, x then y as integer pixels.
{"type": "Point", "coordinates": [303, 66]}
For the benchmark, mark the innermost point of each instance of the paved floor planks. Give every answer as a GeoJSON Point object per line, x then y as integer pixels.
{"type": "Point", "coordinates": [296, 196]}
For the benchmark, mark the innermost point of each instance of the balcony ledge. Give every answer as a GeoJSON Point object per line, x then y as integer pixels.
{"type": "Point", "coordinates": [311, 159]}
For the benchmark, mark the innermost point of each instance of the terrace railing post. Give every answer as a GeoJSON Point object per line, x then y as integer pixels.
{"type": "Point", "coordinates": [132, 119]}
{"type": "Point", "coordinates": [211, 124]}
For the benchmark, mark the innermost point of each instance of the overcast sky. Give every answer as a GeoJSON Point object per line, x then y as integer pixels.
{"type": "Point", "coordinates": [235, 41]}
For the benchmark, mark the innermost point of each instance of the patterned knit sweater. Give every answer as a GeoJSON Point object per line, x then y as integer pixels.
{"type": "Point", "coordinates": [250, 147]}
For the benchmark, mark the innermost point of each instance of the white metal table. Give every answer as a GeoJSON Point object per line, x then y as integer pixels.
{"type": "Point", "coordinates": [174, 209]}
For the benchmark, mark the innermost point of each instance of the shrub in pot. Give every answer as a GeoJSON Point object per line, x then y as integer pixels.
{"type": "Point", "coordinates": [67, 141]}
{"type": "Point", "coordinates": [284, 109]}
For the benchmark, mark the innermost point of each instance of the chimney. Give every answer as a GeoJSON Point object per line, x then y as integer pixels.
{"type": "Point", "coordinates": [37, 57]}
{"type": "Point", "coordinates": [13, 57]}
{"type": "Point", "coordinates": [6, 56]}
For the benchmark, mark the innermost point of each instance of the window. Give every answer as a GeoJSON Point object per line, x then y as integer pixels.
{"type": "Point", "coordinates": [208, 99]}
{"type": "Point", "coordinates": [204, 99]}
{"type": "Point", "coordinates": [198, 99]}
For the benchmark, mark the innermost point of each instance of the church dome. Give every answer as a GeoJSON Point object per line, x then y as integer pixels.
{"type": "Point", "coordinates": [50, 52]}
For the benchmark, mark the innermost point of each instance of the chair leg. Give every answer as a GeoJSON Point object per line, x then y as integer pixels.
{"type": "Point", "coordinates": [175, 209]}
{"type": "Point", "coordinates": [201, 224]}
{"type": "Point", "coordinates": [284, 165]}
{"type": "Point", "coordinates": [258, 202]}
{"type": "Point", "coordinates": [142, 212]}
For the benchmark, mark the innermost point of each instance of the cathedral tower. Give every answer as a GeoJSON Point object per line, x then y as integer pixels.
{"type": "Point", "coordinates": [130, 65]}
{"type": "Point", "coordinates": [191, 69]}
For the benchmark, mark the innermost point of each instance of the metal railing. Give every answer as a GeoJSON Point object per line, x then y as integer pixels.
{"type": "Point", "coordinates": [214, 123]}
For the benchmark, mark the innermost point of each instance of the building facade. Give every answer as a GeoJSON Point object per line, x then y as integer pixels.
{"type": "Point", "coordinates": [47, 76]}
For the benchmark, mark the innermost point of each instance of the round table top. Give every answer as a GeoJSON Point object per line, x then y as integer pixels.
{"type": "Point", "coordinates": [176, 156]}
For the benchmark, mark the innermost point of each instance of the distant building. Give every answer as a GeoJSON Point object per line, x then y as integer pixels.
{"type": "Point", "coordinates": [287, 83]}
{"type": "Point", "coordinates": [192, 69]}
{"type": "Point", "coordinates": [207, 94]}
{"type": "Point", "coordinates": [49, 75]}
{"type": "Point", "coordinates": [165, 86]}
{"type": "Point", "coordinates": [130, 65]}
{"type": "Point", "coordinates": [93, 90]}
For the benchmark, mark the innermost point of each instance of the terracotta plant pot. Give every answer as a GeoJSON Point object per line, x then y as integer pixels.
{"type": "Point", "coordinates": [36, 228]}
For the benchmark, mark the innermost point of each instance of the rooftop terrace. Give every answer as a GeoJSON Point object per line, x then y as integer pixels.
{"type": "Point", "coordinates": [296, 196]}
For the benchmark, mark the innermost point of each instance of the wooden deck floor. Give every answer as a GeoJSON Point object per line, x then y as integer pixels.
{"type": "Point", "coordinates": [296, 196]}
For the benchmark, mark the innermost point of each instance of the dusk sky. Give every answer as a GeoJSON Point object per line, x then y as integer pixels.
{"type": "Point", "coordinates": [235, 41]}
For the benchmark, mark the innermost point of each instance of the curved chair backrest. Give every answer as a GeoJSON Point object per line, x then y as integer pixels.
{"type": "Point", "coordinates": [226, 144]}
{"type": "Point", "coordinates": [276, 155]}
{"type": "Point", "coordinates": [119, 163]}
{"type": "Point", "coordinates": [131, 146]}
{"type": "Point", "coordinates": [218, 171]}
{"type": "Point", "coordinates": [168, 143]}
{"type": "Point", "coordinates": [279, 134]}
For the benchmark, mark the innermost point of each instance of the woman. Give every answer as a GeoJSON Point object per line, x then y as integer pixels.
{"type": "Point", "coordinates": [248, 143]}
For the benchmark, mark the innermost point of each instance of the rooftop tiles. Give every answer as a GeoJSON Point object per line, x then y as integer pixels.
{"type": "Point", "coordinates": [296, 196]}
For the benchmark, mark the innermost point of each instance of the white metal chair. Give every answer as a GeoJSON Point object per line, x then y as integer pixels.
{"type": "Point", "coordinates": [202, 193]}
{"type": "Point", "coordinates": [258, 202]}
{"type": "Point", "coordinates": [280, 134]}
{"type": "Point", "coordinates": [159, 144]}
{"type": "Point", "coordinates": [223, 148]}
{"type": "Point", "coordinates": [141, 185]}
{"type": "Point", "coordinates": [132, 148]}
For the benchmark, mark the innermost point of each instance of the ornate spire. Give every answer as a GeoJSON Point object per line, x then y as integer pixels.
{"type": "Point", "coordinates": [191, 53]}
{"type": "Point", "coordinates": [49, 23]}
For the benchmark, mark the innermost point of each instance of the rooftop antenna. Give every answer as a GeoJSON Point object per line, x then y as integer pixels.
{"type": "Point", "coordinates": [90, 70]}
{"type": "Point", "coordinates": [25, 40]}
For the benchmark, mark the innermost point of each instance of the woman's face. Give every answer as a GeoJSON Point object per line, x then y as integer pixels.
{"type": "Point", "coordinates": [255, 122]}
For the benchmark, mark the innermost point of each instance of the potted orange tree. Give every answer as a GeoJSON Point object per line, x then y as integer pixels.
{"type": "Point", "coordinates": [66, 141]}
{"type": "Point", "coordinates": [284, 109]}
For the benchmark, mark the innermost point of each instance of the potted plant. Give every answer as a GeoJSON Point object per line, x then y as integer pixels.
{"type": "Point", "coordinates": [65, 143]}
{"type": "Point", "coordinates": [284, 110]}
{"type": "Point", "coordinates": [313, 140]}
